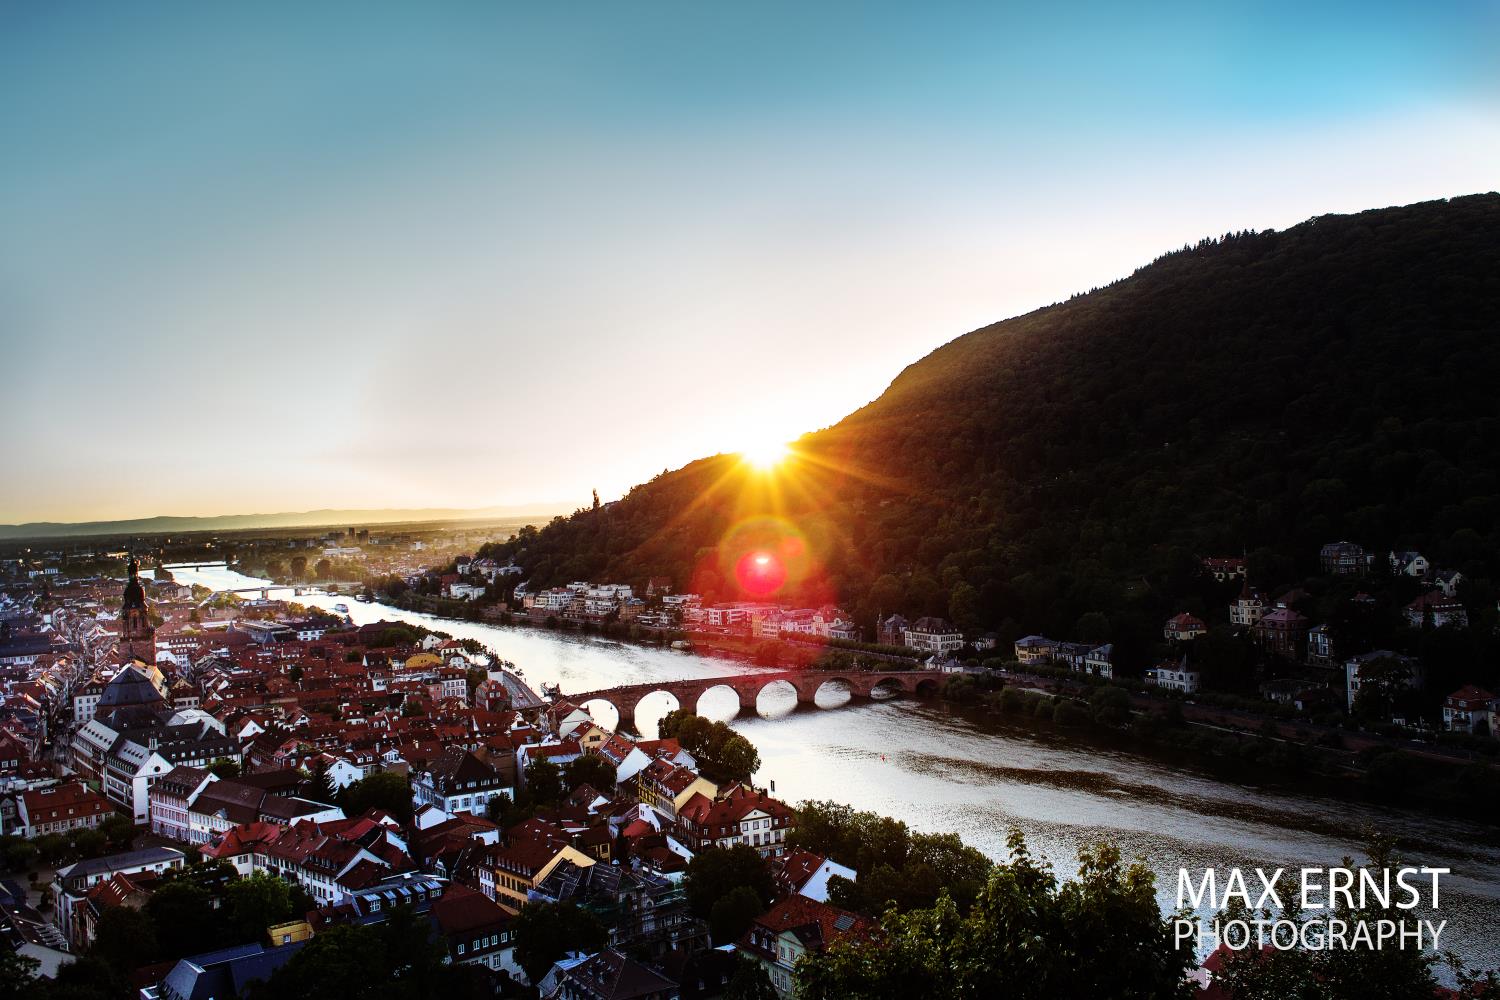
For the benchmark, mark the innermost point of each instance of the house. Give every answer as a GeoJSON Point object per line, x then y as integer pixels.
{"type": "Point", "coordinates": [1409, 564]}
{"type": "Point", "coordinates": [1174, 677]}
{"type": "Point", "coordinates": [1222, 569]}
{"type": "Point", "coordinates": [891, 631]}
{"type": "Point", "coordinates": [1320, 645]}
{"type": "Point", "coordinates": [1183, 628]}
{"type": "Point", "coordinates": [1467, 710]}
{"type": "Point", "coordinates": [609, 975]}
{"type": "Point", "coordinates": [1283, 632]}
{"type": "Point", "coordinates": [169, 801]}
{"type": "Point", "coordinates": [59, 809]}
{"type": "Point", "coordinates": [933, 635]}
{"type": "Point", "coordinates": [1344, 559]}
{"type": "Point", "coordinates": [1247, 609]}
{"type": "Point", "coordinates": [476, 929]}
{"type": "Point", "coordinates": [667, 787]}
{"type": "Point", "coordinates": [460, 781]}
{"type": "Point", "coordinates": [223, 974]}
{"type": "Point", "coordinates": [1099, 661]}
{"type": "Point", "coordinates": [71, 883]}
{"type": "Point", "coordinates": [466, 591]}
{"type": "Point", "coordinates": [508, 873]}
{"type": "Point", "coordinates": [1035, 649]}
{"type": "Point", "coordinates": [808, 873]}
{"type": "Point", "coordinates": [330, 859]}
{"type": "Point", "coordinates": [624, 756]}
{"type": "Point", "coordinates": [743, 816]}
{"type": "Point", "coordinates": [794, 927]}
{"type": "Point", "coordinates": [1436, 609]}
{"type": "Point", "coordinates": [1448, 580]}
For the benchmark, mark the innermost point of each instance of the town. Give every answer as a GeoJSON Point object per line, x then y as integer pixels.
{"type": "Point", "coordinates": [154, 747]}
{"type": "Point", "coordinates": [160, 741]}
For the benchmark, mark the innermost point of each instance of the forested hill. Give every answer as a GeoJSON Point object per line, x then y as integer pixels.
{"type": "Point", "coordinates": [1262, 393]}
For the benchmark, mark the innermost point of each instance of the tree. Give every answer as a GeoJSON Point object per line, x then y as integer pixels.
{"type": "Point", "coordinates": [225, 768]}
{"type": "Point", "coordinates": [88, 978]}
{"type": "Point", "coordinates": [385, 790]}
{"type": "Point", "coordinates": [18, 979]}
{"type": "Point", "coordinates": [722, 753]}
{"type": "Point", "coordinates": [398, 959]}
{"type": "Point", "coordinates": [545, 932]}
{"type": "Point", "coordinates": [185, 918]}
{"type": "Point", "coordinates": [53, 848]}
{"type": "Point", "coordinates": [1101, 935]}
{"type": "Point", "coordinates": [750, 982]}
{"type": "Point", "coordinates": [323, 569]}
{"type": "Point", "coordinates": [261, 900]}
{"type": "Point", "coordinates": [88, 842]}
{"type": "Point", "coordinates": [118, 830]}
{"type": "Point", "coordinates": [1110, 706]}
{"type": "Point", "coordinates": [18, 855]}
{"type": "Point", "coordinates": [736, 759]}
{"type": "Point", "coordinates": [590, 769]}
{"type": "Point", "coordinates": [125, 938]}
{"type": "Point", "coordinates": [963, 606]}
{"type": "Point", "coordinates": [1382, 682]}
{"type": "Point", "coordinates": [731, 915]}
{"type": "Point", "coordinates": [544, 781]}
{"type": "Point", "coordinates": [715, 872]}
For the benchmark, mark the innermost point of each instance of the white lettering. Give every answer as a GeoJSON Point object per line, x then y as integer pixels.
{"type": "Point", "coordinates": [1309, 887]}
{"type": "Point", "coordinates": [1187, 897]}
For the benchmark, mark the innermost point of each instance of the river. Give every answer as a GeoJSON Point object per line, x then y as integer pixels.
{"type": "Point", "coordinates": [942, 772]}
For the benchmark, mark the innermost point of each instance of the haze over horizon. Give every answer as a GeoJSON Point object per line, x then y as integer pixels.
{"type": "Point", "coordinates": [478, 257]}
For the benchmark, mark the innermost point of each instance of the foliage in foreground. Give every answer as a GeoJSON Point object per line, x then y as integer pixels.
{"type": "Point", "coordinates": [1331, 974]}
{"type": "Point", "coordinates": [896, 867]}
{"type": "Point", "coordinates": [1027, 935]}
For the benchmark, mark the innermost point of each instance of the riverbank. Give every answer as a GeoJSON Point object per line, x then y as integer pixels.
{"type": "Point", "coordinates": [1268, 746]}
{"type": "Point", "coordinates": [941, 769]}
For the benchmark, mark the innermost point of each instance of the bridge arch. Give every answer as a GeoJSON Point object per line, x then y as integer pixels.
{"type": "Point", "coordinates": [650, 707]}
{"type": "Point", "coordinates": [927, 687]}
{"type": "Point", "coordinates": [719, 708]}
{"type": "Point", "coordinates": [594, 705]}
{"type": "Point", "coordinates": [821, 686]}
{"type": "Point", "coordinates": [888, 687]}
{"type": "Point", "coordinates": [777, 697]}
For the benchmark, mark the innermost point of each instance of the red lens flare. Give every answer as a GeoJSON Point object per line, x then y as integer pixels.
{"type": "Point", "coordinates": [760, 573]}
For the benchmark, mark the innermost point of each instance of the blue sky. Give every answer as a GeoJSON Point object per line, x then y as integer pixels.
{"type": "Point", "coordinates": [283, 256]}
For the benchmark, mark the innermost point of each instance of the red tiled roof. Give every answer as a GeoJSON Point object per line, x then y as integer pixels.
{"type": "Point", "coordinates": [70, 801]}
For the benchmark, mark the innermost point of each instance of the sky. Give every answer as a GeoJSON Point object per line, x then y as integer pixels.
{"type": "Point", "coordinates": [285, 256]}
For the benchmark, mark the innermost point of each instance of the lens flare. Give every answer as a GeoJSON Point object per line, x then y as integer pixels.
{"type": "Point", "coordinates": [762, 558]}
{"type": "Point", "coordinates": [760, 574]}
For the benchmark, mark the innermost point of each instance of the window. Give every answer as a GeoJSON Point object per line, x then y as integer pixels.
{"type": "Point", "coordinates": [460, 949]}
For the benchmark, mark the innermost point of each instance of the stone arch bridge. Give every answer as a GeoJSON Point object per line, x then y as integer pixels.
{"type": "Point", "coordinates": [747, 687]}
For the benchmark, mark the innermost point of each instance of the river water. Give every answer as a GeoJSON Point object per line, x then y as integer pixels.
{"type": "Point", "coordinates": [942, 772]}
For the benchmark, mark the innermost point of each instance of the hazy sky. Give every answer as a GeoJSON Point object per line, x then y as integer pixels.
{"type": "Point", "coordinates": [281, 256]}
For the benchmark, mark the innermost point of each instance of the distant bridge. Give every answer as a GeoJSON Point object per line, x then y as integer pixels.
{"type": "Point", "coordinates": [747, 687]}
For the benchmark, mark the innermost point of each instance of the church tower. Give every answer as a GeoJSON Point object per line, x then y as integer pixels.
{"type": "Point", "coordinates": [137, 637]}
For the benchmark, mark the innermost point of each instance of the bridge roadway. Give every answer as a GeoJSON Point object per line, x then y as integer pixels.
{"type": "Point", "coordinates": [747, 687]}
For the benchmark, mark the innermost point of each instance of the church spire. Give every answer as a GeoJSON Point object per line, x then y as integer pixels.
{"type": "Point", "coordinates": [136, 631]}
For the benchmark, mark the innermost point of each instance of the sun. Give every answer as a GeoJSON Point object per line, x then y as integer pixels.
{"type": "Point", "coordinates": [765, 455]}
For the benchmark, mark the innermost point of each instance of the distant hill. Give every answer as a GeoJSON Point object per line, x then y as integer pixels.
{"type": "Point", "coordinates": [1259, 393]}
{"type": "Point", "coordinates": [240, 522]}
